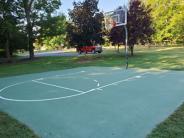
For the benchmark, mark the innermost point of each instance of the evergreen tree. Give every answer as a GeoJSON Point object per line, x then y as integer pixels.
{"type": "Point", "coordinates": [85, 27]}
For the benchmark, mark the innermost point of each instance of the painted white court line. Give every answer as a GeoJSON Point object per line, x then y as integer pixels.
{"type": "Point", "coordinates": [61, 87]}
{"type": "Point", "coordinates": [98, 84]}
{"type": "Point", "coordinates": [12, 86]}
{"type": "Point", "coordinates": [40, 79]}
{"type": "Point", "coordinates": [96, 81]}
{"type": "Point", "coordinates": [99, 89]}
{"type": "Point", "coordinates": [117, 82]}
{"type": "Point", "coordinates": [70, 96]}
{"type": "Point", "coordinates": [138, 77]}
{"type": "Point", "coordinates": [68, 74]}
{"type": "Point", "coordinates": [41, 100]}
{"type": "Point", "coordinates": [71, 74]}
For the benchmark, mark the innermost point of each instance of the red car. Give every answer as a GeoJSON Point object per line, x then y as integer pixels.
{"type": "Point", "coordinates": [89, 49]}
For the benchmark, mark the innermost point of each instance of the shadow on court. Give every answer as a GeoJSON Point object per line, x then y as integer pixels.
{"type": "Point", "coordinates": [94, 102]}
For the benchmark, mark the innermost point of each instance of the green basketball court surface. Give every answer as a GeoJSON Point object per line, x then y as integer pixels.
{"type": "Point", "coordinates": [93, 102]}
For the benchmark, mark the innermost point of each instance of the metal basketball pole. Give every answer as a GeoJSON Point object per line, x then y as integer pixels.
{"type": "Point", "coordinates": [126, 46]}
{"type": "Point", "coordinates": [126, 38]}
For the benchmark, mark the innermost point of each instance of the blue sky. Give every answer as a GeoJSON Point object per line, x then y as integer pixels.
{"type": "Point", "coordinates": [105, 5]}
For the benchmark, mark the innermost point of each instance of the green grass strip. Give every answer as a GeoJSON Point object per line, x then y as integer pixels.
{"type": "Point", "coordinates": [11, 128]}
{"type": "Point", "coordinates": [173, 127]}
{"type": "Point", "coordinates": [145, 58]}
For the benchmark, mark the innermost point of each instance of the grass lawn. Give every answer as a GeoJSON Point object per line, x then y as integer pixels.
{"type": "Point", "coordinates": [170, 58]}
{"type": "Point", "coordinates": [158, 58]}
{"type": "Point", "coordinates": [10, 128]}
{"type": "Point", "coordinates": [173, 127]}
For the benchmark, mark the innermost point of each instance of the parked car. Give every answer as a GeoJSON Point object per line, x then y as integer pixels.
{"type": "Point", "coordinates": [89, 49]}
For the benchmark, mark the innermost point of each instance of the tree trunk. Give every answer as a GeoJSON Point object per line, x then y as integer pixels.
{"type": "Point", "coordinates": [118, 48]}
{"type": "Point", "coordinates": [132, 50]}
{"type": "Point", "coordinates": [7, 47]}
{"type": "Point", "coordinates": [30, 41]}
{"type": "Point", "coordinates": [31, 48]}
{"type": "Point", "coordinates": [115, 47]}
{"type": "Point", "coordinates": [27, 7]}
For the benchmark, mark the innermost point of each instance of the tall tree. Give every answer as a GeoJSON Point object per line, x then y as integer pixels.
{"type": "Point", "coordinates": [32, 12]}
{"type": "Point", "coordinates": [85, 27]}
{"type": "Point", "coordinates": [139, 24]}
{"type": "Point", "coordinates": [52, 32]}
{"type": "Point", "coordinates": [7, 24]}
{"type": "Point", "coordinates": [11, 36]}
{"type": "Point", "coordinates": [117, 36]}
{"type": "Point", "coordinates": [168, 20]}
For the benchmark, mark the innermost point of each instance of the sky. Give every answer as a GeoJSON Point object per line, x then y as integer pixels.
{"type": "Point", "coordinates": [104, 5]}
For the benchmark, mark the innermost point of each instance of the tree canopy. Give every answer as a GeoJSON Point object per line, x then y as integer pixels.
{"type": "Point", "coordinates": [52, 34]}
{"type": "Point", "coordinates": [168, 20]}
{"type": "Point", "coordinates": [11, 35]}
{"type": "Point", "coordinates": [22, 19]}
{"type": "Point", "coordinates": [85, 26]}
{"type": "Point", "coordinates": [139, 26]}
{"type": "Point", "coordinates": [139, 23]}
{"type": "Point", "coordinates": [31, 12]}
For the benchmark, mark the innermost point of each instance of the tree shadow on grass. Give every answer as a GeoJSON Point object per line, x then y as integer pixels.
{"type": "Point", "coordinates": [166, 61]}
